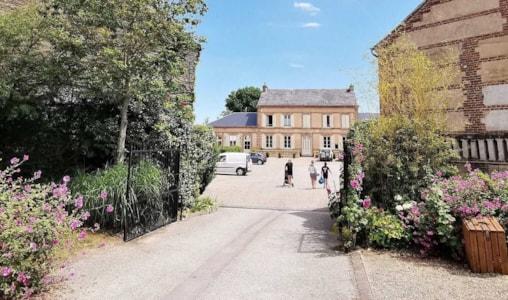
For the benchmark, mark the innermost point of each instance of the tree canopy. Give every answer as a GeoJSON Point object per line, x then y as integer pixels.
{"type": "Point", "coordinates": [243, 100]}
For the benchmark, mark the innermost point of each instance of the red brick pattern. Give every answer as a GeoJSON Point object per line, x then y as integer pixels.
{"type": "Point", "coordinates": [470, 61]}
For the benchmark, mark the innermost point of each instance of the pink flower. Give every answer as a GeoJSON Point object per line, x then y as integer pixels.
{"type": "Point", "coordinates": [66, 179]}
{"type": "Point", "coordinates": [33, 246]}
{"type": "Point", "coordinates": [37, 175]}
{"type": "Point", "coordinates": [82, 235]}
{"type": "Point", "coordinates": [96, 226]}
{"type": "Point", "coordinates": [6, 271]}
{"type": "Point", "coordinates": [14, 161]}
{"type": "Point", "coordinates": [85, 216]}
{"type": "Point", "coordinates": [60, 191]}
{"type": "Point", "coordinates": [75, 224]}
{"type": "Point", "coordinates": [104, 195]}
{"type": "Point", "coordinates": [26, 157]}
{"type": "Point", "coordinates": [29, 229]}
{"type": "Point", "coordinates": [367, 203]}
{"type": "Point", "coordinates": [27, 188]}
{"type": "Point", "coordinates": [78, 203]}
{"type": "Point", "coordinates": [355, 184]}
{"type": "Point", "coordinates": [109, 209]}
{"type": "Point", "coordinates": [23, 278]}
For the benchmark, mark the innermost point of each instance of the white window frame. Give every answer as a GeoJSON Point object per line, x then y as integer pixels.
{"type": "Point", "coordinates": [269, 141]}
{"type": "Point", "coordinates": [247, 141]}
{"type": "Point", "coordinates": [327, 142]}
{"type": "Point", "coordinates": [232, 140]}
{"type": "Point", "coordinates": [268, 124]}
{"type": "Point", "coordinates": [287, 142]}
{"type": "Point", "coordinates": [306, 124]}
{"type": "Point", "coordinates": [328, 121]}
{"type": "Point", "coordinates": [287, 120]}
{"type": "Point", "coordinates": [345, 121]}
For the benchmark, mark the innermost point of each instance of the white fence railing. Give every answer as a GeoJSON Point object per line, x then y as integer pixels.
{"type": "Point", "coordinates": [482, 148]}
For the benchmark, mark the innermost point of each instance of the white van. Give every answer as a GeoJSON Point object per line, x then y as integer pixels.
{"type": "Point", "coordinates": [233, 163]}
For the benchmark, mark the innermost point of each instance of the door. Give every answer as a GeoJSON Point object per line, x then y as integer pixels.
{"type": "Point", "coordinates": [307, 145]}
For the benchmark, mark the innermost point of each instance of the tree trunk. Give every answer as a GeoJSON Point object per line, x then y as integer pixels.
{"type": "Point", "coordinates": [120, 149]}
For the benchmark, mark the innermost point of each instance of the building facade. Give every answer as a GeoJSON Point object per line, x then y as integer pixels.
{"type": "Point", "coordinates": [478, 31]}
{"type": "Point", "coordinates": [291, 123]}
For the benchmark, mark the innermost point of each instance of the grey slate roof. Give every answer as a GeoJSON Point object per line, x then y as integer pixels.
{"type": "Point", "coordinates": [310, 97]}
{"type": "Point", "coordinates": [367, 116]}
{"type": "Point", "coordinates": [239, 119]}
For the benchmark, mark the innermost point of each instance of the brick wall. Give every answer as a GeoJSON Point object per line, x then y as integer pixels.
{"type": "Point", "coordinates": [479, 30]}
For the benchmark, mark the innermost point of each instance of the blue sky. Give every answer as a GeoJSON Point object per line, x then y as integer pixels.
{"type": "Point", "coordinates": [292, 44]}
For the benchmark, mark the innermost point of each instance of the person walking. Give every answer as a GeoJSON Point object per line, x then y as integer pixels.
{"type": "Point", "coordinates": [313, 174]}
{"type": "Point", "coordinates": [289, 172]}
{"type": "Point", "coordinates": [325, 171]}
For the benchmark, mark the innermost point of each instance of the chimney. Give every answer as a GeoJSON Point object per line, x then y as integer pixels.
{"type": "Point", "coordinates": [351, 88]}
{"type": "Point", "coordinates": [265, 87]}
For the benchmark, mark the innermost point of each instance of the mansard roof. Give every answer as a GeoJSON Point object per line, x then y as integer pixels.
{"type": "Point", "coordinates": [237, 120]}
{"type": "Point", "coordinates": [308, 97]}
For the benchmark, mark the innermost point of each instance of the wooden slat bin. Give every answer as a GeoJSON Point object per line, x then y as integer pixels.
{"type": "Point", "coordinates": [485, 243]}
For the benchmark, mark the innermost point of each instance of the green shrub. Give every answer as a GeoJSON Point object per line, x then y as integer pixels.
{"type": "Point", "coordinates": [34, 223]}
{"type": "Point", "coordinates": [204, 204]}
{"type": "Point", "coordinates": [230, 149]}
{"type": "Point", "coordinates": [384, 229]}
{"type": "Point", "coordinates": [400, 157]}
{"type": "Point", "coordinates": [111, 183]}
{"type": "Point", "coordinates": [105, 192]}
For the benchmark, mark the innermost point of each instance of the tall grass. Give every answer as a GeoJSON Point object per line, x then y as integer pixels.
{"type": "Point", "coordinates": [146, 204]}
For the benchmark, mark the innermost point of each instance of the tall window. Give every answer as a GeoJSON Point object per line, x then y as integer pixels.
{"type": "Point", "coordinates": [219, 141]}
{"type": "Point", "coordinates": [269, 141]}
{"type": "Point", "coordinates": [287, 142]}
{"type": "Point", "coordinates": [306, 121]}
{"type": "Point", "coordinates": [287, 120]}
{"type": "Point", "coordinates": [246, 143]}
{"type": "Point", "coordinates": [232, 140]}
{"type": "Point", "coordinates": [345, 121]}
{"type": "Point", "coordinates": [327, 142]}
{"type": "Point", "coordinates": [328, 121]}
{"type": "Point", "coordinates": [269, 121]}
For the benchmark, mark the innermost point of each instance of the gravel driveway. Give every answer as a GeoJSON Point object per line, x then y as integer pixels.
{"type": "Point", "coordinates": [270, 243]}
{"type": "Point", "coordinates": [262, 188]}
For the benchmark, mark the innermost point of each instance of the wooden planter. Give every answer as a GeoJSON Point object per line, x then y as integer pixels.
{"type": "Point", "coordinates": [485, 243]}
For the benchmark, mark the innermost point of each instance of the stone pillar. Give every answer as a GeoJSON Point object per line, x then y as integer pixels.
{"type": "Point", "coordinates": [483, 150]}
{"type": "Point", "coordinates": [465, 149]}
{"type": "Point", "coordinates": [500, 149]}
{"type": "Point", "coordinates": [474, 149]}
{"type": "Point", "coordinates": [455, 145]}
{"type": "Point", "coordinates": [491, 149]}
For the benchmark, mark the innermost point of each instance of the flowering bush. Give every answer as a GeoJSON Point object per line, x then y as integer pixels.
{"type": "Point", "coordinates": [35, 219]}
{"type": "Point", "coordinates": [384, 229]}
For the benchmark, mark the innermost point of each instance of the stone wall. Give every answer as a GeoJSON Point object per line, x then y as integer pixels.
{"type": "Point", "coordinates": [478, 29]}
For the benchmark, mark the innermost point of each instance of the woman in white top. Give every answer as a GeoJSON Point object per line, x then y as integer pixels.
{"type": "Point", "coordinates": [313, 174]}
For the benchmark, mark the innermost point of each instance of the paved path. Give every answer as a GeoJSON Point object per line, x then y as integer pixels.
{"type": "Point", "coordinates": [277, 247]}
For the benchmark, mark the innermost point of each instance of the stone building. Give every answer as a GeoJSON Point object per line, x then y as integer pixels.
{"type": "Point", "coordinates": [478, 31]}
{"type": "Point", "coordinates": [291, 123]}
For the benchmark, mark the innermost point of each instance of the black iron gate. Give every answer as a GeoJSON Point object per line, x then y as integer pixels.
{"type": "Point", "coordinates": [152, 196]}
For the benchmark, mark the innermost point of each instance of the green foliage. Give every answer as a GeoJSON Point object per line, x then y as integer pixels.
{"type": "Point", "coordinates": [243, 100]}
{"type": "Point", "coordinates": [34, 223]}
{"type": "Point", "coordinates": [384, 229]}
{"type": "Point", "coordinates": [111, 180]}
{"type": "Point", "coordinates": [204, 204]}
{"type": "Point", "coordinates": [108, 187]}
{"type": "Point", "coordinates": [68, 64]}
{"type": "Point", "coordinates": [400, 157]}
{"type": "Point", "coordinates": [230, 149]}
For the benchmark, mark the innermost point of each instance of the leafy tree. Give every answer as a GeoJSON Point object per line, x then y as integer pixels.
{"type": "Point", "coordinates": [129, 52]}
{"type": "Point", "coordinates": [415, 85]}
{"type": "Point", "coordinates": [243, 100]}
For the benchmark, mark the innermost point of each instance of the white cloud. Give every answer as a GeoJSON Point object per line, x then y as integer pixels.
{"type": "Point", "coordinates": [307, 7]}
{"type": "Point", "coordinates": [296, 66]}
{"type": "Point", "coordinates": [311, 25]}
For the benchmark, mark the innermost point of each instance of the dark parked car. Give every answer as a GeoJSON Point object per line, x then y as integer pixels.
{"type": "Point", "coordinates": [258, 158]}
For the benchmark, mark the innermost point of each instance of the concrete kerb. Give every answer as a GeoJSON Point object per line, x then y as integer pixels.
{"type": "Point", "coordinates": [361, 278]}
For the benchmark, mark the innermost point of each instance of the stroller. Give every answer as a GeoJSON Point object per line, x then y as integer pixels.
{"type": "Point", "coordinates": [286, 180]}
